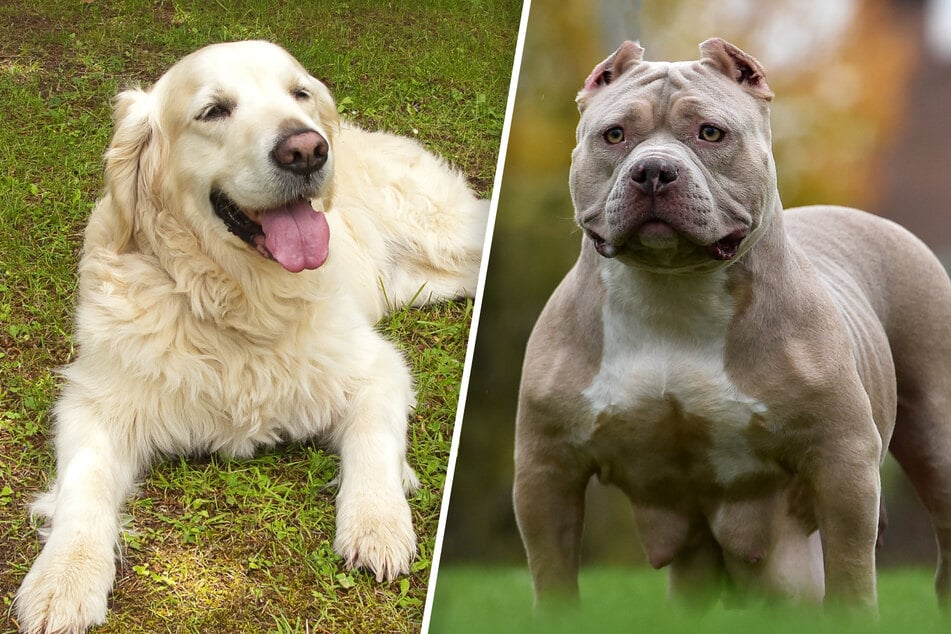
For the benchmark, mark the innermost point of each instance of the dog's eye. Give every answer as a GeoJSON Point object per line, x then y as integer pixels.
{"type": "Point", "coordinates": [215, 111]}
{"type": "Point", "coordinates": [614, 135]}
{"type": "Point", "coordinates": [711, 134]}
{"type": "Point", "coordinates": [300, 94]}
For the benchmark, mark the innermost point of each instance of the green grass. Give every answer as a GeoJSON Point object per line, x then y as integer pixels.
{"type": "Point", "coordinates": [216, 545]}
{"type": "Point", "coordinates": [475, 600]}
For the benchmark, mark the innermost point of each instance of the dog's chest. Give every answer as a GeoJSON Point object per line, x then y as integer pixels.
{"type": "Point", "coordinates": [663, 410]}
{"type": "Point", "coordinates": [214, 388]}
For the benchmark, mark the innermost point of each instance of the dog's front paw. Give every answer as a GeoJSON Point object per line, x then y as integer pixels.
{"type": "Point", "coordinates": [376, 534]}
{"type": "Point", "coordinates": [66, 590]}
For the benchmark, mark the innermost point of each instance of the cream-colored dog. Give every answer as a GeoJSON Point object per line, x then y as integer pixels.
{"type": "Point", "coordinates": [232, 273]}
{"type": "Point", "coordinates": [736, 369]}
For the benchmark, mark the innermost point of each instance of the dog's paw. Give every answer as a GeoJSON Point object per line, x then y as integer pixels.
{"type": "Point", "coordinates": [66, 590]}
{"type": "Point", "coordinates": [376, 534]}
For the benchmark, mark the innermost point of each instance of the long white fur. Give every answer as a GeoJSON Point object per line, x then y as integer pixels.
{"type": "Point", "coordinates": [191, 341]}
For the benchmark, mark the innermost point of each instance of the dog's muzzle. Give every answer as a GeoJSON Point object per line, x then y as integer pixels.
{"type": "Point", "coordinates": [236, 221]}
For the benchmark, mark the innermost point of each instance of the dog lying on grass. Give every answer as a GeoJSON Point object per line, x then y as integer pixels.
{"type": "Point", "coordinates": [232, 272]}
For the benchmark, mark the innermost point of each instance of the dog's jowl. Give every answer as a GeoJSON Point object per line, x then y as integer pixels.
{"type": "Point", "coordinates": [739, 371]}
{"type": "Point", "coordinates": [230, 280]}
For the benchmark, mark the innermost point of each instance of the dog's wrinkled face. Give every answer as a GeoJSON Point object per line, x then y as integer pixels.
{"type": "Point", "coordinates": [240, 143]}
{"type": "Point", "coordinates": [673, 167]}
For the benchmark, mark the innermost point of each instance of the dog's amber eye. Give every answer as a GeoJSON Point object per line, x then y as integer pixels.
{"type": "Point", "coordinates": [300, 94]}
{"type": "Point", "coordinates": [614, 135]}
{"type": "Point", "coordinates": [215, 111]}
{"type": "Point", "coordinates": [711, 134]}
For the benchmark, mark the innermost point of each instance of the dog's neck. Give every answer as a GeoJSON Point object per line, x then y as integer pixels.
{"type": "Point", "coordinates": [217, 284]}
{"type": "Point", "coordinates": [763, 260]}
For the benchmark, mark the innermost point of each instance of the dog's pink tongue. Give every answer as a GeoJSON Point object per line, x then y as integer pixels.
{"type": "Point", "coordinates": [296, 235]}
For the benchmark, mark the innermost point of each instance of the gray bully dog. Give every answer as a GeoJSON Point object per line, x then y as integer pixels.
{"type": "Point", "coordinates": [736, 369]}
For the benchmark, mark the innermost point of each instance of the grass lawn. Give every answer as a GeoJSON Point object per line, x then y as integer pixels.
{"type": "Point", "coordinates": [216, 545]}
{"type": "Point", "coordinates": [471, 600]}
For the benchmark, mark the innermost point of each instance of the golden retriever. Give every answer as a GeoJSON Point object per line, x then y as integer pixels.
{"type": "Point", "coordinates": [245, 245]}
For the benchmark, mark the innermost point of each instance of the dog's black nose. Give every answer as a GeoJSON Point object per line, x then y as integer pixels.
{"type": "Point", "coordinates": [302, 152]}
{"type": "Point", "coordinates": [654, 174]}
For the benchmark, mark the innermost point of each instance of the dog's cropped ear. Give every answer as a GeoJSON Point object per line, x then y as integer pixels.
{"type": "Point", "coordinates": [127, 165]}
{"type": "Point", "coordinates": [737, 65]}
{"type": "Point", "coordinates": [626, 56]}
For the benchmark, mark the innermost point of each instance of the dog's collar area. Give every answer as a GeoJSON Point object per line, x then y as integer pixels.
{"type": "Point", "coordinates": [235, 220]}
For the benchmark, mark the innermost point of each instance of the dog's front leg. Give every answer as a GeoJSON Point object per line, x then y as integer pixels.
{"type": "Point", "coordinates": [66, 590]}
{"type": "Point", "coordinates": [549, 496]}
{"type": "Point", "coordinates": [374, 523]}
{"type": "Point", "coordinates": [845, 480]}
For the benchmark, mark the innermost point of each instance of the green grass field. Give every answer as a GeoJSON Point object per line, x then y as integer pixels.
{"type": "Point", "coordinates": [478, 600]}
{"type": "Point", "coordinates": [216, 545]}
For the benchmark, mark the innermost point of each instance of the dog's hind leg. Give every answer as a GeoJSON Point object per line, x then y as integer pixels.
{"type": "Point", "coordinates": [697, 574]}
{"type": "Point", "coordinates": [438, 260]}
{"type": "Point", "coordinates": [67, 588]}
{"type": "Point", "coordinates": [921, 441]}
{"type": "Point", "coordinates": [922, 445]}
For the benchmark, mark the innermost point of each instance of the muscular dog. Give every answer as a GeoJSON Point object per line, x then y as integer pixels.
{"type": "Point", "coordinates": [737, 370]}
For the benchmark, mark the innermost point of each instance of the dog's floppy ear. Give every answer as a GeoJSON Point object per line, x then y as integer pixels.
{"type": "Point", "coordinates": [737, 65]}
{"type": "Point", "coordinates": [330, 122]}
{"type": "Point", "coordinates": [626, 56]}
{"type": "Point", "coordinates": [126, 171]}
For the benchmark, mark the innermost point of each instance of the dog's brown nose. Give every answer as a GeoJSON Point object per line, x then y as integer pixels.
{"type": "Point", "coordinates": [303, 152]}
{"type": "Point", "coordinates": [654, 174]}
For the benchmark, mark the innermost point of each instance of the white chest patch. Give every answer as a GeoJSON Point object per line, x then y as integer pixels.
{"type": "Point", "coordinates": [665, 339]}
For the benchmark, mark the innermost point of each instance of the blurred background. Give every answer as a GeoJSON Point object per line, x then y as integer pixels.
{"type": "Point", "coordinates": [860, 118]}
